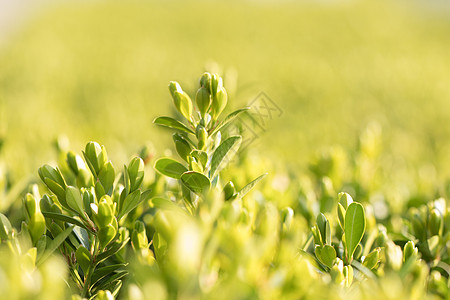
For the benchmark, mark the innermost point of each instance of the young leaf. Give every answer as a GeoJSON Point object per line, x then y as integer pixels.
{"type": "Point", "coordinates": [106, 235]}
{"type": "Point", "coordinates": [130, 202]}
{"type": "Point", "coordinates": [182, 146]}
{"type": "Point", "coordinates": [5, 227]}
{"type": "Point", "coordinates": [170, 168]}
{"type": "Point", "coordinates": [246, 189]}
{"type": "Point", "coordinates": [106, 177]}
{"type": "Point", "coordinates": [73, 198]}
{"type": "Point", "coordinates": [324, 228]}
{"type": "Point", "coordinates": [172, 123]}
{"type": "Point", "coordinates": [135, 173]}
{"type": "Point", "coordinates": [371, 260]}
{"type": "Point", "coordinates": [196, 182]}
{"type": "Point", "coordinates": [224, 153]}
{"type": "Point", "coordinates": [57, 190]}
{"type": "Point", "coordinates": [228, 119]}
{"type": "Point", "coordinates": [341, 215]}
{"type": "Point", "coordinates": [326, 255]}
{"type": "Point", "coordinates": [355, 225]}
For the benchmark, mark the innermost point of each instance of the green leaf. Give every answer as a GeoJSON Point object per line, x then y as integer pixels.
{"type": "Point", "coordinates": [224, 153]}
{"type": "Point", "coordinates": [355, 225]}
{"type": "Point", "coordinates": [135, 173]}
{"type": "Point", "coordinates": [82, 235]}
{"type": "Point", "coordinates": [172, 123]}
{"type": "Point", "coordinates": [196, 182]}
{"type": "Point", "coordinates": [200, 156]}
{"type": "Point", "coordinates": [166, 205]}
{"type": "Point", "coordinates": [170, 167]}
{"type": "Point", "coordinates": [106, 177]}
{"type": "Point", "coordinates": [246, 189]}
{"type": "Point", "coordinates": [182, 146]}
{"type": "Point", "coordinates": [326, 255]}
{"type": "Point", "coordinates": [83, 258]}
{"type": "Point", "coordinates": [113, 249]}
{"type": "Point", "coordinates": [58, 191]}
{"type": "Point", "coordinates": [5, 227]}
{"type": "Point", "coordinates": [341, 215]}
{"type": "Point", "coordinates": [54, 244]}
{"type": "Point", "coordinates": [106, 235]}
{"type": "Point", "coordinates": [229, 118]}
{"type": "Point", "coordinates": [324, 228]}
{"type": "Point", "coordinates": [108, 282]}
{"type": "Point", "coordinates": [103, 271]}
{"type": "Point", "coordinates": [64, 218]}
{"type": "Point", "coordinates": [95, 156]}
{"type": "Point", "coordinates": [74, 200]}
{"type": "Point", "coordinates": [371, 260]}
{"type": "Point", "coordinates": [130, 202]}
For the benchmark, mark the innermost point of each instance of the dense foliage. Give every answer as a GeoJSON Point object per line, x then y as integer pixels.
{"type": "Point", "coordinates": [203, 225]}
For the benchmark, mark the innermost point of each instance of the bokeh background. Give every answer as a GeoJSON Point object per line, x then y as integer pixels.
{"type": "Point", "coordinates": [81, 71]}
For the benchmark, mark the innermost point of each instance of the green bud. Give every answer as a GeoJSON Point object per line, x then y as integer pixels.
{"type": "Point", "coordinates": [182, 101]}
{"type": "Point", "coordinates": [287, 215]}
{"type": "Point", "coordinates": [409, 250]}
{"type": "Point", "coordinates": [229, 190]}
{"type": "Point", "coordinates": [372, 259]}
{"type": "Point", "coordinates": [107, 176]}
{"type": "Point", "coordinates": [174, 87]}
{"type": "Point", "coordinates": [219, 103]}
{"type": "Point", "coordinates": [336, 274]}
{"type": "Point", "coordinates": [5, 228]}
{"type": "Point", "coordinates": [103, 213]}
{"type": "Point", "coordinates": [95, 156]}
{"type": "Point", "coordinates": [348, 274]}
{"type": "Point", "coordinates": [341, 215]}
{"type": "Point", "coordinates": [436, 222]}
{"type": "Point", "coordinates": [205, 81]}
{"type": "Point", "coordinates": [345, 199]}
{"type": "Point", "coordinates": [203, 99]}
{"type": "Point", "coordinates": [419, 227]}
{"type": "Point", "coordinates": [202, 136]}
{"type": "Point", "coordinates": [47, 172]}
{"type": "Point", "coordinates": [139, 238]}
{"type": "Point", "coordinates": [36, 227]}
{"type": "Point", "coordinates": [135, 173]}
{"type": "Point", "coordinates": [216, 84]}
{"type": "Point", "coordinates": [75, 162]}
{"type": "Point", "coordinates": [104, 295]}
{"type": "Point", "coordinates": [31, 206]}
{"type": "Point", "coordinates": [79, 168]}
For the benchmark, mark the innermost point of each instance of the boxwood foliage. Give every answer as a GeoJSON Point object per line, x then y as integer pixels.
{"type": "Point", "coordinates": [194, 229]}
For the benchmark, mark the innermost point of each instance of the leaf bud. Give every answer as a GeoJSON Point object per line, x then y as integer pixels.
{"type": "Point", "coordinates": [203, 100]}
{"type": "Point", "coordinates": [229, 190]}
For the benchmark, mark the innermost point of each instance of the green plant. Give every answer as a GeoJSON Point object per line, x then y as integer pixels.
{"type": "Point", "coordinates": [195, 236]}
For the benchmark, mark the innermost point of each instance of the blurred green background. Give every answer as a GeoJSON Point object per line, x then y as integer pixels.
{"type": "Point", "coordinates": [99, 71]}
